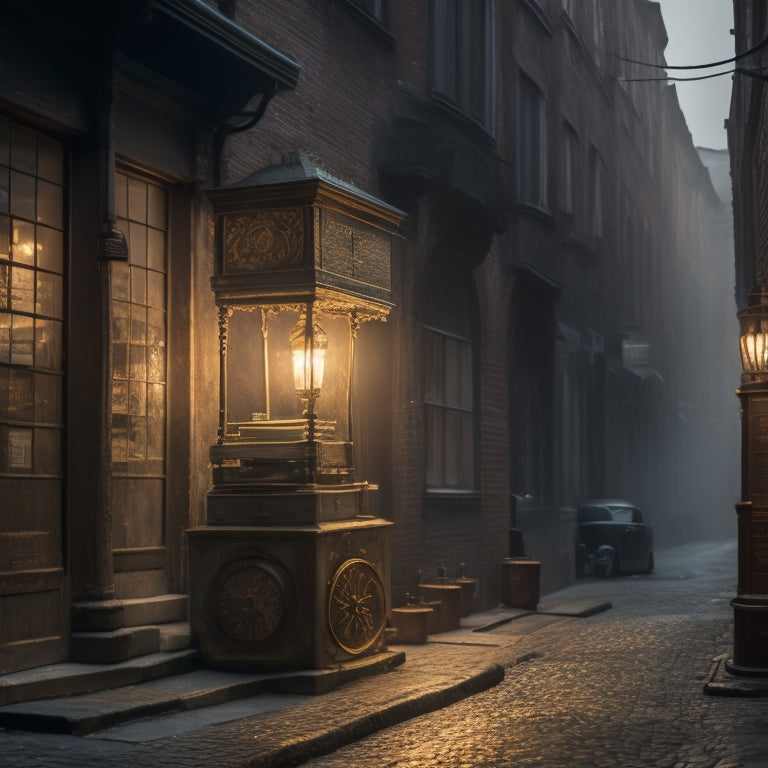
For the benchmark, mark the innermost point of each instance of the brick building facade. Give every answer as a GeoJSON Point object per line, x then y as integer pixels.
{"type": "Point", "coordinates": [559, 230]}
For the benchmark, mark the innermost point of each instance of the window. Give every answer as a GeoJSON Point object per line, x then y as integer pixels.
{"type": "Point", "coordinates": [569, 169]}
{"type": "Point", "coordinates": [460, 56]}
{"type": "Point", "coordinates": [31, 307]}
{"type": "Point", "coordinates": [449, 385]}
{"type": "Point", "coordinates": [139, 337]}
{"type": "Point", "coordinates": [531, 145]}
{"type": "Point", "coordinates": [596, 197]}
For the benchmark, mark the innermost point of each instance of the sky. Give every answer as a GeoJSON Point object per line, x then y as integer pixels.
{"type": "Point", "coordinates": [699, 32]}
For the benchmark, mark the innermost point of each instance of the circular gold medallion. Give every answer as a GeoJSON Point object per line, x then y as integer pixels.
{"type": "Point", "coordinates": [356, 606]}
{"type": "Point", "coordinates": [250, 604]}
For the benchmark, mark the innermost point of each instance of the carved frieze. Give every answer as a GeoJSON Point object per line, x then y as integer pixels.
{"type": "Point", "coordinates": [262, 241]}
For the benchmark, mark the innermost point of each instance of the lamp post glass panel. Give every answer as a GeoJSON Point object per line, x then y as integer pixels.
{"type": "Point", "coordinates": [750, 606]}
{"type": "Point", "coordinates": [753, 340]}
{"type": "Point", "coordinates": [308, 344]}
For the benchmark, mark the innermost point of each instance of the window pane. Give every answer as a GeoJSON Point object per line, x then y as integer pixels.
{"type": "Point", "coordinates": [137, 244]}
{"type": "Point", "coordinates": [435, 441]}
{"type": "Point", "coordinates": [5, 237]}
{"type": "Point", "coordinates": [5, 286]}
{"type": "Point", "coordinates": [22, 289]}
{"type": "Point", "coordinates": [5, 333]}
{"type": "Point", "coordinates": [48, 344]}
{"type": "Point", "coordinates": [22, 195]}
{"type": "Point", "coordinates": [156, 207]}
{"type": "Point", "coordinates": [50, 249]}
{"type": "Point", "coordinates": [156, 250]}
{"type": "Point", "coordinates": [476, 59]}
{"type": "Point", "coordinates": [21, 400]}
{"type": "Point", "coordinates": [452, 448]}
{"type": "Point", "coordinates": [137, 403]}
{"type": "Point", "coordinates": [23, 242]}
{"type": "Point", "coordinates": [121, 281]}
{"type": "Point", "coordinates": [50, 159]}
{"type": "Point", "coordinates": [49, 295]}
{"type": "Point", "coordinates": [22, 347]}
{"type": "Point", "coordinates": [19, 450]}
{"type": "Point", "coordinates": [119, 397]}
{"type": "Point", "coordinates": [50, 203]}
{"type": "Point", "coordinates": [466, 376]}
{"type": "Point", "coordinates": [155, 289]}
{"type": "Point", "coordinates": [138, 285]}
{"type": "Point", "coordinates": [444, 48]}
{"type": "Point", "coordinates": [5, 189]}
{"type": "Point", "coordinates": [5, 142]}
{"type": "Point", "coordinates": [434, 367]}
{"type": "Point", "coordinates": [48, 409]}
{"type": "Point", "coordinates": [23, 149]}
{"type": "Point", "coordinates": [137, 201]}
{"type": "Point", "coordinates": [452, 372]}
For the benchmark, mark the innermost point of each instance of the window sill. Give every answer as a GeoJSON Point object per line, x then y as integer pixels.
{"type": "Point", "coordinates": [536, 211]}
{"type": "Point", "coordinates": [451, 500]}
{"type": "Point", "coordinates": [448, 107]}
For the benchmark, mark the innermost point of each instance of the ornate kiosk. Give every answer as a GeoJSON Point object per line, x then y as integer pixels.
{"type": "Point", "coordinates": [291, 570]}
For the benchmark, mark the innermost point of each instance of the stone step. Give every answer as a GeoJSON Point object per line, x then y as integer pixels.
{"type": "Point", "coordinates": [176, 636]}
{"type": "Point", "coordinates": [128, 642]}
{"type": "Point", "coordinates": [108, 615]}
{"type": "Point", "coordinates": [88, 713]}
{"type": "Point", "coordinates": [69, 679]}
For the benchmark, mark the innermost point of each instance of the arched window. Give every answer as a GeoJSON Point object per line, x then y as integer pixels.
{"type": "Point", "coordinates": [449, 391]}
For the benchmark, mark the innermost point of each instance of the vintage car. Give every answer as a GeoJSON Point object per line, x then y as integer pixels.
{"type": "Point", "coordinates": [612, 538]}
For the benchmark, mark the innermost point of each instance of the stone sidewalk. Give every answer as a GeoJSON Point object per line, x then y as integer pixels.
{"type": "Point", "coordinates": [271, 729]}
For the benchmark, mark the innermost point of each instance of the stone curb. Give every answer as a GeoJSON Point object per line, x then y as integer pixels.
{"type": "Point", "coordinates": [353, 730]}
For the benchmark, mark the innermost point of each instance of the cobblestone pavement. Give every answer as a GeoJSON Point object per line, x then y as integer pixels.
{"type": "Point", "coordinates": [623, 688]}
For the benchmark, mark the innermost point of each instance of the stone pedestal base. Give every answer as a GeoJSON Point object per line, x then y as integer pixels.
{"type": "Point", "coordinates": [268, 598]}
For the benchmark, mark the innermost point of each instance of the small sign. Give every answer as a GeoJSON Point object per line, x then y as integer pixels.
{"type": "Point", "coordinates": [112, 245]}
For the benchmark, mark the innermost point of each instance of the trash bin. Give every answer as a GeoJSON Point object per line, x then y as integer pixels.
{"type": "Point", "coordinates": [520, 582]}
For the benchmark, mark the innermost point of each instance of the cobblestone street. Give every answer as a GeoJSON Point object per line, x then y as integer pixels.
{"type": "Point", "coordinates": [622, 688]}
{"type": "Point", "coordinates": [619, 689]}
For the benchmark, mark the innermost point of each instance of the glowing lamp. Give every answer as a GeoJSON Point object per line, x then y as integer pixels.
{"type": "Point", "coordinates": [308, 352]}
{"type": "Point", "coordinates": [753, 336]}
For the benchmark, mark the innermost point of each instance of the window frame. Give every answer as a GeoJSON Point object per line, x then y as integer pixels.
{"type": "Point", "coordinates": [444, 283]}
{"type": "Point", "coordinates": [455, 89]}
{"type": "Point", "coordinates": [532, 145]}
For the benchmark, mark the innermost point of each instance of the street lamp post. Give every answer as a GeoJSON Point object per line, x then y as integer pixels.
{"type": "Point", "coordinates": [750, 606]}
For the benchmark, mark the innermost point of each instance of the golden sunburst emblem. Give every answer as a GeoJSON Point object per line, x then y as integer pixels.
{"type": "Point", "coordinates": [356, 606]}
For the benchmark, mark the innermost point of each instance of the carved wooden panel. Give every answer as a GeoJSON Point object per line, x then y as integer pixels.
{"type": "Point", "coordinates": [263, 240]}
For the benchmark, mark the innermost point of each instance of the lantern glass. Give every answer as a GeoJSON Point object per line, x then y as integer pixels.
{"type": "Point", "coordinates": [753, 336]}
{"type": "Point", "coordinates": [308, 351]}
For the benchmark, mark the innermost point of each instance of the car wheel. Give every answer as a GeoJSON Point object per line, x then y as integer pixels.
{"type": "Point", "coordinates": [607, 564]}
{"type": "Point", "coordinates": [649, 567]}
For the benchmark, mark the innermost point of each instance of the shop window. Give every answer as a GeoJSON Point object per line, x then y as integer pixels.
{"type": "Point", "coordinates": [531, 145]}
{"type": "Point", "coordinates": [449, 386]}
{"type": "Point", "coordinates": [461, 71]}
{"type": "Point", "coordinates": [31, 303]}
{"type": "Point", "coordinates": [138, 309]}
